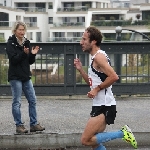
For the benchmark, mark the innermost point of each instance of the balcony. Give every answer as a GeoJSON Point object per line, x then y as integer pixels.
{"type": "Point", "coordinates": [119, 22]}
{"type": "Point", "coordinates": [31, 24]}
{"type": "Point", "coordinates": [6, 24]}
{"type": "Point", "coordinates": [70, 9]}
{"type": "Point", "coordinates": [10, 24]}
{"type": "Point", "coordinates": [68, 24]}
{"type": "Point", "coordinates": [32, 9]}
{"type": "Point", "coordinates": [64, 39]}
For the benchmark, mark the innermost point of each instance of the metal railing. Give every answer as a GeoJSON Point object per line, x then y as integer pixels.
{"type": "Point", "coordinates": [32, 9]}
{"type": "Point", "coordinates": [10, 24]}
{"type": "Point", "coordinates": [6, 24]}
{"type": "Point", "coordinates": [53, 73]}
{"type": "Point", "coordinates": [70, 9]}
{"type": "Point", "coordinates": [65, 24]}
{"type": "Point", "coordinates": [64, 39]}
{"type": "Point", "coordinates": [119, 22]}
{"type": "Point", "coordinates": [31, 24]}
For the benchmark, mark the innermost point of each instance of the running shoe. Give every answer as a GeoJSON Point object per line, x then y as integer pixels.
{"type": "Point", "coordinates": [128, 136]}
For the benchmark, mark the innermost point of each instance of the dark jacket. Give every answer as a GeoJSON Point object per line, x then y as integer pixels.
{"type": "Point", "coordinates": [19, 61]}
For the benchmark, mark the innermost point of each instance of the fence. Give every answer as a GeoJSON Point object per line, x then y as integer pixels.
{"type": "Point", "coordinates": [53, 73]}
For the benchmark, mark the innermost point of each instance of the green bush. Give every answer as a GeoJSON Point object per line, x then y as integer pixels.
{"type": "Point", "coordinates": [56, 79]}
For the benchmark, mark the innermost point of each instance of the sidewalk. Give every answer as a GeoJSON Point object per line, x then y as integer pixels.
{"type": "Point", "coordinates": [65, 118]}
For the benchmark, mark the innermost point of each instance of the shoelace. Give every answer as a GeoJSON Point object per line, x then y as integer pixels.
{"type": "Point", "coordinates": [22, 126]}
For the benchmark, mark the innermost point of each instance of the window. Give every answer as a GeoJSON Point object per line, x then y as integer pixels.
{"type": "Point", "coordinates": [4, 2]}
{"type": "Point", "coordinates": [50, 20]}
{"type": "Point", "coordinates": [40, 5]}
{"type": "Point", "coordinates": [69, 4]}
{"type": "Point", "coordinates": [106, 5]}
{"type": "Point", "coordinates": [77, 34]}
{"type": "Point", "coordinates": [66, 19]}
{"type": "Point", "coordinates": [29, 35]}
{"type": "Point", "coordinates": [59, 34]}
{"type": "Point", "coordinates": [80, 19]}
{"type": "Point", "coordinates": [126, 5]}
{"type": "Point", "coordinates": [38, 37]}
{"type": "Point", "coordinates": [103, 5]}
{"type": "Point", "coordinates": [18, 18]}
{"type": "Point", "coordinates": [22, 5]}
{"type": "Point", "coordinates": [4, 16]}
{"type": "Point", "coordinates": [87, 4]}
{"type": "Point", "coordinates": [50, 5]}
{"type": "Point", "coordinates": [33, 19]}
{"type": "Point", "coordinates": [2, 39]}
{"type": "Point", "coordinates": [145, 15]}
{"type": "Point", "coordinates": [1, 35]}
{"type": "Point", "coordinates": [4, 19]}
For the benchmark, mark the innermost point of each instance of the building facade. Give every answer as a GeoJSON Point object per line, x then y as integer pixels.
{"type": "Point", "coordinates": [65, 20]}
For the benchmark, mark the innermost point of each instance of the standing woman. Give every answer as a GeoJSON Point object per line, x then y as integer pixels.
{"type": "Point", "coordinates": [21, 56]}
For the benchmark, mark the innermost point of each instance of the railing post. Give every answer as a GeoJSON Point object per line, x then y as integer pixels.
{"type": "Point", "coordinates": [69, 71]}
{"type": "Point", "coordinates": [118, 57]}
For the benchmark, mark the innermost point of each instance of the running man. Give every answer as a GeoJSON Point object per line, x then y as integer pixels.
{"type": "Point", "coordinates": [100, 78]}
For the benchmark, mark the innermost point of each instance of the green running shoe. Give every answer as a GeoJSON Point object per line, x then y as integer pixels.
{"type": "Point", "coordinates": [128, 136]}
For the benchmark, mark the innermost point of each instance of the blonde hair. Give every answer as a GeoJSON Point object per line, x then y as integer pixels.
{"type": "Point", "coordinates": [16, 26]}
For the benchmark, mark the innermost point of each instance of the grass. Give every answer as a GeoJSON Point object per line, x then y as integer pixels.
{"type": "Point", "coordinates": [129, 74]}
{"type": "Point", "coordinates": [134, 70]}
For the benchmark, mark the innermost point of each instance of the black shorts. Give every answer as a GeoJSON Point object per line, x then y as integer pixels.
{"type": "Point", "coordinates": [108, 111]}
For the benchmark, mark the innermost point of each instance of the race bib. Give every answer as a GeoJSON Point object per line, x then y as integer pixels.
{"type": "Point", "coordinates": [90, 81]}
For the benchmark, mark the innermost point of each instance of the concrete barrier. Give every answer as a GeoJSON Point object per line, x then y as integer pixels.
{"type": "Point", "coordinates": [55, 140]}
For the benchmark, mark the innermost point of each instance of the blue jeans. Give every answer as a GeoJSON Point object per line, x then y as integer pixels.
{"type": "Point", "coordinates": [17, 87]}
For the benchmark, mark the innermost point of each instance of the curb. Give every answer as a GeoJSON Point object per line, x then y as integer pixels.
{"type": "Point", "coordinates": [55, 140]}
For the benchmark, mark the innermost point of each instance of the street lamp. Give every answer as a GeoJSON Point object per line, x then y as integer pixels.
{"type": "Point", "coordinates": [118, 33]}
{"type": "Point", "coordinates": [118, 57]}
{"type": "Point", "coordinates": [119, 30]}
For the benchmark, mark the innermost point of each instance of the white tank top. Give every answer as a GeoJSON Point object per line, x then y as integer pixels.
{"type": "Point", "coordinates": [105, 96]}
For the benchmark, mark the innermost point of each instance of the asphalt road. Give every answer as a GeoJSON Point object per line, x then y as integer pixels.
{"type": "Point", "coordinates": [77, 148]}
{"type": "Point", "coordinates": [70, 116]}
{"type": "Point", "coordinates": [63, 116]}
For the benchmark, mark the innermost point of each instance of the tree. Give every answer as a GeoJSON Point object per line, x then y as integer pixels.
{"type": "Point", "coordinates": [138, 16]}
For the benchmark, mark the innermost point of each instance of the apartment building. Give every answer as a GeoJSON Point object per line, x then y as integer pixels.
{"type": "Point", "coordinates": [120, 3]}
{"type": "Point", "coordinates": [65, 20]}
{"type": "Point", "coordinates": [139, 1]}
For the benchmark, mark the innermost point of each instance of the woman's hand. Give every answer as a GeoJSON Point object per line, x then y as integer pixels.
{"type": "Point", "coordinates": [26, 50]}
{"type": "Point", "coordinates": [35, 50]}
